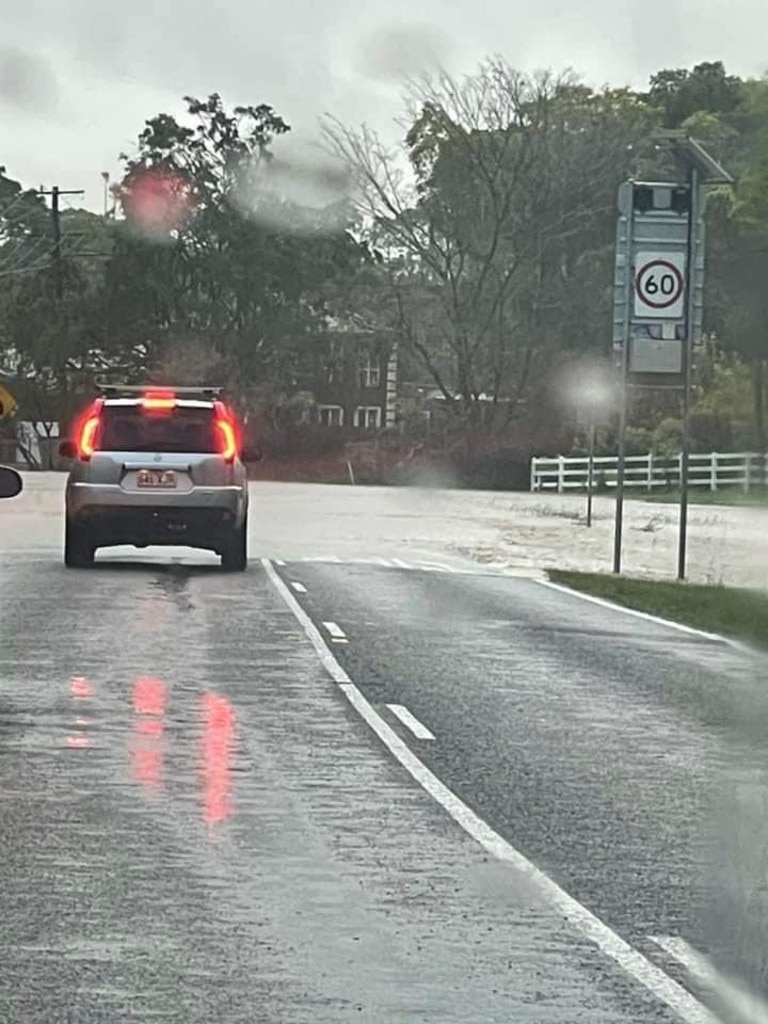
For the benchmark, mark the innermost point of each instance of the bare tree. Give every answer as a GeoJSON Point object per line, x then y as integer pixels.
{"type": "Point", "coordinates": [498, 205]}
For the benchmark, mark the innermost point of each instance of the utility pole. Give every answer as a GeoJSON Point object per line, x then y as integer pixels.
{"type": "Point", "coordinates": [55, 193]}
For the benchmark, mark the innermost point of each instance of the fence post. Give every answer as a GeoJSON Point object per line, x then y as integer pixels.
{"type": "Point", "coordinates": [713, 471]}
{"type": "Point", "coordinates": [560, 474]}
{"type": "Point", "coordinates": [747, 472]}
{"type": "Point", "coordinates": [533, 474]}
{"type": "Point", "coordinates": [650, 472]}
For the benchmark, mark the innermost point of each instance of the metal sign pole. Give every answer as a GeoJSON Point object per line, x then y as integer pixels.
{"type": "Point", "coordinates": [591, 470]}
{"type": "Point", "coordinates": [628, 277]}
{"type": "Point", "coordinates": [693, 225]}
{"type": "Point", "coordinates": [619, 524]}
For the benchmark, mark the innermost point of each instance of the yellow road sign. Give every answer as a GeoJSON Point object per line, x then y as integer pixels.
{"type": "Point", "coordinates": [8, 404]}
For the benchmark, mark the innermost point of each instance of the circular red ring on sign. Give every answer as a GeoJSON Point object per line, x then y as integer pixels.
{"type": "Point", "coordinates": [668, 300]}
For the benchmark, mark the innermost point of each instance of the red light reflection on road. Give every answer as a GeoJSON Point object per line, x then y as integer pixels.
{"type": "Point", "coordinates": [217, 745]}
{"type": "Point", "coordinates": [147, 748]}
{"type": "Point", "coordinates": [79, 689]}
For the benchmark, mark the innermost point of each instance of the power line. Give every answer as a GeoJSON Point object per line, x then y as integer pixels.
{"type": "Point", "coordinates": [25, 270]}
{"type": "Point", "coordinates": [55, 194]}
{"type": "Point", "coordinates": [5, 210]}
{"type": "Point", "coordinates": [27, 256]}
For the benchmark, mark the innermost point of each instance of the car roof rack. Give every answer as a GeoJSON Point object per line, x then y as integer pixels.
{"type": "Point", "coordinates": [130, 390]}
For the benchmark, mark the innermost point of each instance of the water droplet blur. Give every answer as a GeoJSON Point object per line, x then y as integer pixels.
{"type": "Point", "coordinates": [157, 202]}
{"type": "Point", "coordinates": [298, 192]}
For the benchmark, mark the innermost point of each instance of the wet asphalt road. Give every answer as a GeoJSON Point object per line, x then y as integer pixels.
{"type": "Point", "coordinates": [195, 825]}
{"type": "Point", "coordinates": [624, 757]}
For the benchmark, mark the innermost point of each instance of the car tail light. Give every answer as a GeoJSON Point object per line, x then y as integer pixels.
{"type": "Point", "coordinates": [226, 427]}
{"type": "Point", "coordinates": [159, 401]}
{"type": "Point", "coordinates": [87, 437]}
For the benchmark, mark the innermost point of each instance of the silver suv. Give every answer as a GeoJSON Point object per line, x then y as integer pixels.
{"type": "Point", "coordinates": [157, 466]}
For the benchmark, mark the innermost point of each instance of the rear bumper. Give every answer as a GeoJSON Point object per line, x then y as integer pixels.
{"type": "Point", "coordinates": [82, 497]}
{"type": "Point", "coordinates": [196, 518]}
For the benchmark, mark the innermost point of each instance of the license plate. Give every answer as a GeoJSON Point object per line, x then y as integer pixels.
{"type": "Point", "coordinates": [164, 478]}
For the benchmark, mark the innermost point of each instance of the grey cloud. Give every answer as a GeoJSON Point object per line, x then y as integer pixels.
{"type": "Point", "coordinates": [26, 80]}
{"type": "Point", "coordinates": [121, 64]}
{"type": "Point", "coordinates": [396, 51]}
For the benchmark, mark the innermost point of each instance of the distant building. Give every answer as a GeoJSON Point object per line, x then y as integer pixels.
{"type": "Point", "coordinates": [355, 380]}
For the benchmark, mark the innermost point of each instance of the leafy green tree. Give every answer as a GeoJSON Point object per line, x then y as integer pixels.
{"type": "Point", "coordinates": [213, 250]}
{"type": "Point", "coordinates": [680, 93]}
{"type": "Point", "coordinates": [738, 250]}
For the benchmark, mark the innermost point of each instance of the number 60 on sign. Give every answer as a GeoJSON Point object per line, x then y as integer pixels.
{"type": "Point", "coordinates": [660, 286]}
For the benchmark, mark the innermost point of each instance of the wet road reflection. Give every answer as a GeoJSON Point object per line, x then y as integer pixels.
{"type": "Point", "coordinates": [217, 747]}
{"type": "Point", "coordinates": [80, 690]}
{"type": "Point", "coordinates": [147, 741]}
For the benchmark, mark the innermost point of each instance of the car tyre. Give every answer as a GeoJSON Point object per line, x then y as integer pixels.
{"type": "Point", "coordinates": [78, 549]}
{"type": "Point", "coordinates": [234, 556]}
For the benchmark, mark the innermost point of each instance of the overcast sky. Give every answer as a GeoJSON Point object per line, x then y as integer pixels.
{"type": "Point", "coordinates": [78, 78]}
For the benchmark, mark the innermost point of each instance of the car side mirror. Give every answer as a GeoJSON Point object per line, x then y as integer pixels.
{"type": "Point", "coordinates": [11, 483]}
{"type": "Point", "coordinates": [252, 455]}
{"type": "Point", "coordinates": [68, 450]}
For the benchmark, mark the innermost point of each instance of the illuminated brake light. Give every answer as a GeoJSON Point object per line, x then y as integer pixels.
{"type": "Point", "coordinates": [89, 431]}
{"type": "Point", "coordinates": [88, 437]}
{"type": "Point", "coordinates": [228, 439]}
{"type": "Point", "coordinates": [159, 401]}
{"type": "Point", "coordinates": [227, 432]}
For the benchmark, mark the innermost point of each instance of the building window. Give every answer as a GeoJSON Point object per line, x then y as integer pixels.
{"type": "Point", "coordinates": [369, 373]}
{"type": "Point", "coordinates": [331, 415]}
{"type": "Point", "coordinates": [368, 417]}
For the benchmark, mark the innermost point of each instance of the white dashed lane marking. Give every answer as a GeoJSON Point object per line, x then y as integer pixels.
{"type": "Point", "coordinates": [336, 633]}
{"type": "Point", "coordinates": [421, 732]}
{"type": "Point", "coordinates": [413, 566]}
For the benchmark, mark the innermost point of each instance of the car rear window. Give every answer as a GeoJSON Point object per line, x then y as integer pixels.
{"type": "Point", "coordinates": [134, 429]}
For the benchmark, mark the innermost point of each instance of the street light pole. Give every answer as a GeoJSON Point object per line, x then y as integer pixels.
{"type": "Point", "coordinates": [105, 178]}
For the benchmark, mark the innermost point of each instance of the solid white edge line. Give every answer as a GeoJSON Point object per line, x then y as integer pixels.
{"type": "Point", "coordinates": [637, 614]}
{"type": "Point", "coordinates": [332, 666]}
{"type": "Point", "coordinates": [336, 632]}
{"type": "Point", "coordinates": [738, 999]}
{"type": "Point", "coordinates": [419, 730]}
{"type": "Point", "coordinates": [298, 587]}
{"type": "Point", "coordinates": [639, 967]}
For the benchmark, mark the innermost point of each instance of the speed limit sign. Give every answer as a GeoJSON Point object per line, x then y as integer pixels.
{"type": "Point", "coordinates": [660, 286]}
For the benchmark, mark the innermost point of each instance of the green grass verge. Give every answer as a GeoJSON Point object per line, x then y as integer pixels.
{"type": "Point", "coordinates": [701, 496]}
{"type": "Point", "coordinates": [731, 611]}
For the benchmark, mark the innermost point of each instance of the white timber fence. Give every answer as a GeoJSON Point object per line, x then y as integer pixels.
{"type": "Point", "coordinates": [713, 470]}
